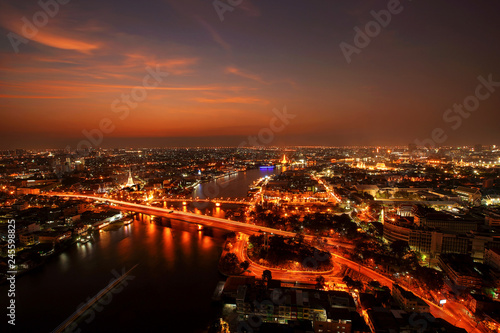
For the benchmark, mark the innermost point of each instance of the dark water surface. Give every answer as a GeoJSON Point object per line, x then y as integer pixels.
{"type": "Point", "coordinates": [171, 289]}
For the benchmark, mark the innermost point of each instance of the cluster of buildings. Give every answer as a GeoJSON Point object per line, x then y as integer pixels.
{"type": "Point", "coordinates": [443, 202]}
{"type": "Point", "coordinates": [45, 224]}
{"type": "Point", "coordinates": [274, 307]}
{"type": "Point", "coordinates": [294, 187]}
{"type": "Point", "coordinates": [433, 232]}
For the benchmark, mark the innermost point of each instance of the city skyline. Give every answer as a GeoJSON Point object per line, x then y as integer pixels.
{"type": "Point", "coordinates": [355, 239]}
{"type": "Point", "coordinates": [230, 67]}
{"type": "Point", "coordinates": [218, 166]}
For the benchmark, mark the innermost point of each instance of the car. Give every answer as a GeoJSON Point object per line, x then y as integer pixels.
{"type": "Point", "coordinates": [171, 212]}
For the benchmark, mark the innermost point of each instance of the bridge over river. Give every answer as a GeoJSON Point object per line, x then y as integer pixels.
{"type": "Point", "coordinates": [205, 220]}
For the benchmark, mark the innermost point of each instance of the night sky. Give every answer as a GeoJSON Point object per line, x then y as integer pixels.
{"type": "Point", "coordinates": [225, 77]}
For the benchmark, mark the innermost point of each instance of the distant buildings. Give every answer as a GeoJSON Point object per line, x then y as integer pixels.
{"type": "Point", "coordinates": [370, 189]}
{"type": "Point", "coordinates": [478, 303]}
{"type": "Point", "coordinates": [470, 195]}
{"type": "Point", "coordinates": [440, 201]}
{"type": "Point", "coordinates": [54, 236]}
{"type": "Point", "coordinates": [426, 217]}
{"type": "Point", "coordinates": [431, 232]}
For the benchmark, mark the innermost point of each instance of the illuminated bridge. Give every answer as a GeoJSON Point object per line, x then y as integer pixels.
{"type": "Point", "coordinates": [215, 200]}
{"type": "Point", "coordinates": [204, 220]}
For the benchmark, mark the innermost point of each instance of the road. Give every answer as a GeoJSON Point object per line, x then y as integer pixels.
{"type": "Point", "coordinates": [452, 313]}
{"type": "Point", "coordinates": [205, 220]}
{"type": "Point", "coordinates": [328, 189]}
{"type": "Point", "coordinates": [240, 249]}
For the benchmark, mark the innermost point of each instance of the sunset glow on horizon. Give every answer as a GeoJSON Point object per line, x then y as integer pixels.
{"type": "Point", "coordinates": [226, 77]}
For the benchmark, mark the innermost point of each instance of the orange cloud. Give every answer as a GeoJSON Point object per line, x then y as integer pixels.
{"type": "Point", "coordinates": [48, 34]}
{"type": "Point", "coordinates": [36, 97]}
{"type": "Point", "coordinates": [246, 75]}
{"type": "Point", "coordinates": [64, 43]}
{"type": "Point", "coordinates": [243, 100]}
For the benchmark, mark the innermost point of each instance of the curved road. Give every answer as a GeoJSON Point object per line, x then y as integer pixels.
{"type": "Point", "coordinates": [305, 277]}
{"type": "Point", "coordinates": [449, 313]}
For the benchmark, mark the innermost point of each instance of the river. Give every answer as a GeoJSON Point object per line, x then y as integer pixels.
{"type": "Point", "coordinates": [233, 186]}
{"type": "Point", "coordinates": [169, 291]}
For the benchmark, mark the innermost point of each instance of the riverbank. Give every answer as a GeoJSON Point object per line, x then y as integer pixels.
{"type": "Point", "coordinates": [30, 258]}
{"type": "Point", "coordinates": [234, 185]}
{"type": "Point", "coordinates": [171, 261]}
{"type": "Point", "coordinates": [229, 264]}
{"type": "Point", "coordinates": [30, 265]}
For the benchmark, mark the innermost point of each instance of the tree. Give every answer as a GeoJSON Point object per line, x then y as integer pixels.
{"type": "Point", "coordinates": [299, 238]}
{"type": "Point", "coordinates": [229, 263]}
{"type": "Point", "coordinates": [267, 276]}
{"type": "Point", "coordinates": [244, 265]}
{"type": "Point", "coordinates": [348, 281]}
{"type": "Point", "coordinates": [400, 248]}
{"type": "Point", "coordinates": [378, 228]}
{"type": "Point", "coordinates": [432, 278]}
{"type": "Point", "coordinates": [345, 226]}
{"type": "Point", "coordinates": [320, 282]}
{"type": "Point", "coordinates": [256, 240]}
{"type": "Point", "coordinates": [356, 284]}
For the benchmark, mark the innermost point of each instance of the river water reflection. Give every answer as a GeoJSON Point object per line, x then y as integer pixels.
{"type": "Point", "coordinates": [171, 288]}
